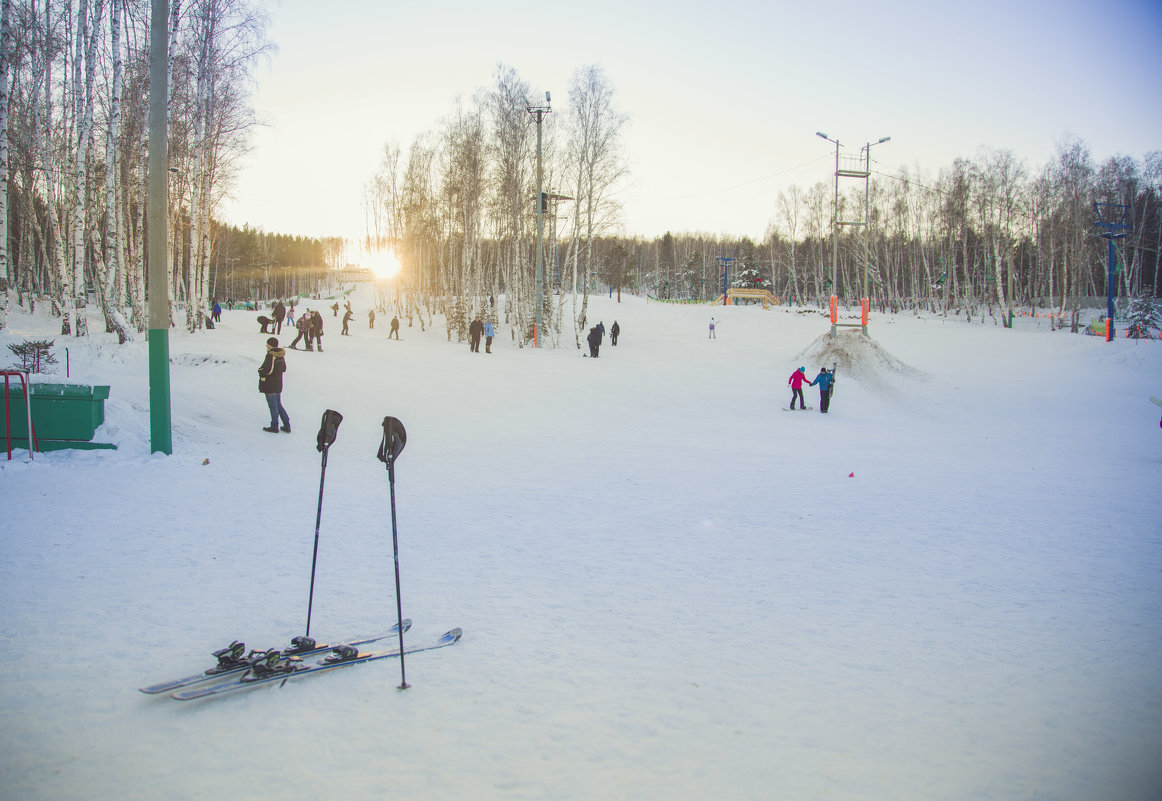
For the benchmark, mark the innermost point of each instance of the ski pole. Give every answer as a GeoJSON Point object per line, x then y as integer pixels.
{"type": "Point", "coordinates": [327, 431]}
{"type": "Point", "coordinates": [394, 438]}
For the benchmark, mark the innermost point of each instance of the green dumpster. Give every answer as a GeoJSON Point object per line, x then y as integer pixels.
{"type": "Point", "coordinates": [63, 415]}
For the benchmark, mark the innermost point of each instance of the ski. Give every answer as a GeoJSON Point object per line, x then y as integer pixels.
{"type": "Point", "coordinates": [272, 669]}
{"type": "Point", "coordinates": [232, 661]}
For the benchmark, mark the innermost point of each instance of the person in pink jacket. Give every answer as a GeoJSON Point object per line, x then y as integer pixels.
{"type": "Point", "coordinates": [797, 380]}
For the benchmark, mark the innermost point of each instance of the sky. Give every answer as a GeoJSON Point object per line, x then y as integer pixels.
{"type": "Point", "coordinates": [724, 99]}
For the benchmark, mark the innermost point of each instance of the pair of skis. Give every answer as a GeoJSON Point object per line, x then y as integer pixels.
{"type": "Point", "coordinates": [234, 673]}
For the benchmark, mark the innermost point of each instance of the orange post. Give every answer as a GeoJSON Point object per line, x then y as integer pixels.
{"type": "Point", "coordinates": [834, 310]}
{"type": "Point", "coordinates": [866, 303]}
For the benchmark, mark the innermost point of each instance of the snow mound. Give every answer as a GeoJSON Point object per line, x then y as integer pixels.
{"type": "Point", "coordinates": [859, 357]}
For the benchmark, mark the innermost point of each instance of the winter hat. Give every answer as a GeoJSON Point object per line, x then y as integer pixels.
{"type": "Point", "coordinates": [802, 369]}
{"type": "Point", "coordinates": [272, 342]}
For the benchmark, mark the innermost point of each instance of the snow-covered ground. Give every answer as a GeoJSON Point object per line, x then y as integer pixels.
{"type": "Point", "coordinates": [950, 587]}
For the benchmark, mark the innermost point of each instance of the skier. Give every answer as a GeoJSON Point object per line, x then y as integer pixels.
{"type": "Point", "coordinates": [270, 385]}
{"type": "Point", "coordinates": [824, 380]}
{"type": "Point", "coordinates": [279, 316]}
{"type": "Point", "coordinates": [394, 328]}
{"type": "Point", "coordinates": [475, 329]}
{"type": "Point", "coordinates": [347, 315]}
{"type": "Point", "coordinates": [613, 332]}
{"type": "Point", "coordinates": [712, 336]}
{"type": "Point", "coordinates": [489, 333]}
{"type": "Point", "coordinates": [335, 308]}
{"type": "Point", "coordinates": [797, 379]}
{"type": "Point", "coordinates": [594, 341]}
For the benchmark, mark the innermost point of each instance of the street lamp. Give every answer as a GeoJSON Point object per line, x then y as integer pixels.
{"type": "Point", "coordinates": [539, 112]}
{"type": "Point", "coordinates": [867, 222]}
{"type": "Point", "coordinates": [834, 222]}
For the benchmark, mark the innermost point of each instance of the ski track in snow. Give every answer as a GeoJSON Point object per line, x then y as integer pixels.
{"type": "Point", "coordinates": [668, 588]}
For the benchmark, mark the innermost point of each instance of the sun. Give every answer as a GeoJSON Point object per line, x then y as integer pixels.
{"type": "Point", "coordinates": [384, 263]}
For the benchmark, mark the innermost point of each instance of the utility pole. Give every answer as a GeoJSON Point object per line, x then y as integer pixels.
{"type": "Point", "coordinates": [867, 227]}
{"type": "Point", "coordinates": [539, 113]}
{"type": "Point", "coordinates": [160, 433]}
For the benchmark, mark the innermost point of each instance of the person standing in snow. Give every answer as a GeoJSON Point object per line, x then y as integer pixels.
{"type": "Point", "coordinates": [290, 315]}
{"type": "Point", "coordinates": [335, 308]}
{"type": "Point", "coordinates": [270, 384]}
{"type": "Point", "coordinates": [824, 380]}
{"type": "Point", "coordinates": [394, 328]}
{"type": "Point", "coordinates": [216, 312]}
{"type": "Point", "coordinates": [316, 331]}
{"type": "Point", "coordinates": [279, 316]}
{"type": "Point", "coordinates": [371, 319]}
{"type": "Point", "coordinates": [712, 336]}
{"type": "Point", "coordinates": [303, 326]}
{"type": "Point", "coordinates": [347, 315]}
{"type": "Point", "coordinates": [594, 341]}
{"type": "Point", "coordinates": [489, 333]}
{"type": "Point", "coordinates": [475, 329]}
{"type": "Point", "coordinates": [797, 379]}
{"type": "Point", "coordinates": [613, 332]}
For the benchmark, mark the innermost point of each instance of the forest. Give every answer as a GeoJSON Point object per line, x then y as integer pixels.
{"type": "Point", "coordinates": [460, 206]}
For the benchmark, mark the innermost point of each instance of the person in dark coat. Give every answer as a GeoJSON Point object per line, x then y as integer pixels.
{"type": "Point", "coordinates": [613, 332]}
{"type": "Point", "coordinates": [216, 312]}
{"type": "Point", "coordinates": [264, 322]}
{"type": "Point", "coordinates": [825, 379]}
{"type": "Point", "coordinates": [594, 341]}
{"type": "Point", "coordinates": [475, 330]}
{"type": "Point", "coordinates": [347, 316]}
{"type": "Point", "coordinates": [394, 328]}
{"type": "Point", "coordinates": [270, 384]}
{"type": "Point", "coordinates": [371, 319]}
{"type": "Point", "coordinates": [316, 331]}
{"type": "Point", "coordinates": [335, 308]}
{"type": "Point", "coordinates": [279, 316]}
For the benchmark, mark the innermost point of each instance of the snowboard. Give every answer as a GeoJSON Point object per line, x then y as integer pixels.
{"type": "Point", "coordinates": [788, 409]}
{"type": "Point", "coordinates": [1156, 401]}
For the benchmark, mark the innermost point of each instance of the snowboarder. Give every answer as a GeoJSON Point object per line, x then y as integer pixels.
{"type": "Point", "coordinates": [613, 332]}
{"type": "Point", "coordinates": [394, 328]}
{"type": "Point", "coordinates": [270, 384]}
{"type": "Point", "coordinates": [797, 379]}
{"type": "Point", "coordinates": [335, 308]}
{"type": "Point", "coordinates": [594, 341]}
{"type": "Point", "coordinates": [475, 329]}
{"type": "Point", "coordinates": [489, 333]}
{"type": "Point", "coordinates": [303, 326]}
{"type": "Point", "coordinates": [347, 315]}
{"type": "Point", "coordinates": [824, 380]}
{"type": "Point", "coordinates": [712, 336]}
{"type": "Point", "coordinates": [279, 316]}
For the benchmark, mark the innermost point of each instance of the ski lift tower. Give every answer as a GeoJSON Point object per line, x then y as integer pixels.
{"type": "Point", "coordinates": [538, 113]}
{"type": "Point", "coordinates": [725, 260]}
{"type": "Point", "coordinates": [851, 167]}
{"type": "Point", "coordinates": [1111, 231]}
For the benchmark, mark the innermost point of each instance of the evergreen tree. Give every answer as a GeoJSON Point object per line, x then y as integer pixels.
{"type": "Point", "coordinates": [1144, 318]}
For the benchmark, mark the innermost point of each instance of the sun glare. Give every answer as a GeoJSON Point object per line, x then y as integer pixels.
{"type": "Point", "coordinates": [384, 263]}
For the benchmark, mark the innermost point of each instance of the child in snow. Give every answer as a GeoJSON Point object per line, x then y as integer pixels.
{"type": "Point", "coordinates": [797, 379]}
{"type": "Point", "coordinates": [824, 380]}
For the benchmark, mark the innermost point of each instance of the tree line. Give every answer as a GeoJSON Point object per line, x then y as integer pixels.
{"type": "Point", "coordinates": [74, 105]}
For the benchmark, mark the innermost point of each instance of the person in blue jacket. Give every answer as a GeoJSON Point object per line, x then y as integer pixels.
{"type": "Point", "coordinates": [489, 333]}
{"type": "Point", "coordinates": [824, 380]}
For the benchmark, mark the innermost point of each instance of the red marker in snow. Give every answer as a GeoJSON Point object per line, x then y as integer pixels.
{"type": "Point", "coordinates": [851, 475]}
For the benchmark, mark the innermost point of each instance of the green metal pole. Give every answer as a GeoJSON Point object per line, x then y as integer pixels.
{"type": "Point", "coordinates": [160, 435]}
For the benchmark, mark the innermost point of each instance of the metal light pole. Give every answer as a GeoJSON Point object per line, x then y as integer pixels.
{"type": "Point", "coordinates": [834, 223]}
{"type": "Point", "coordinates": [539, 112]}
{"type": "Point", "coordinates": [160, 434]}
{"type": "Point", "coordinates": [867, 223]}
